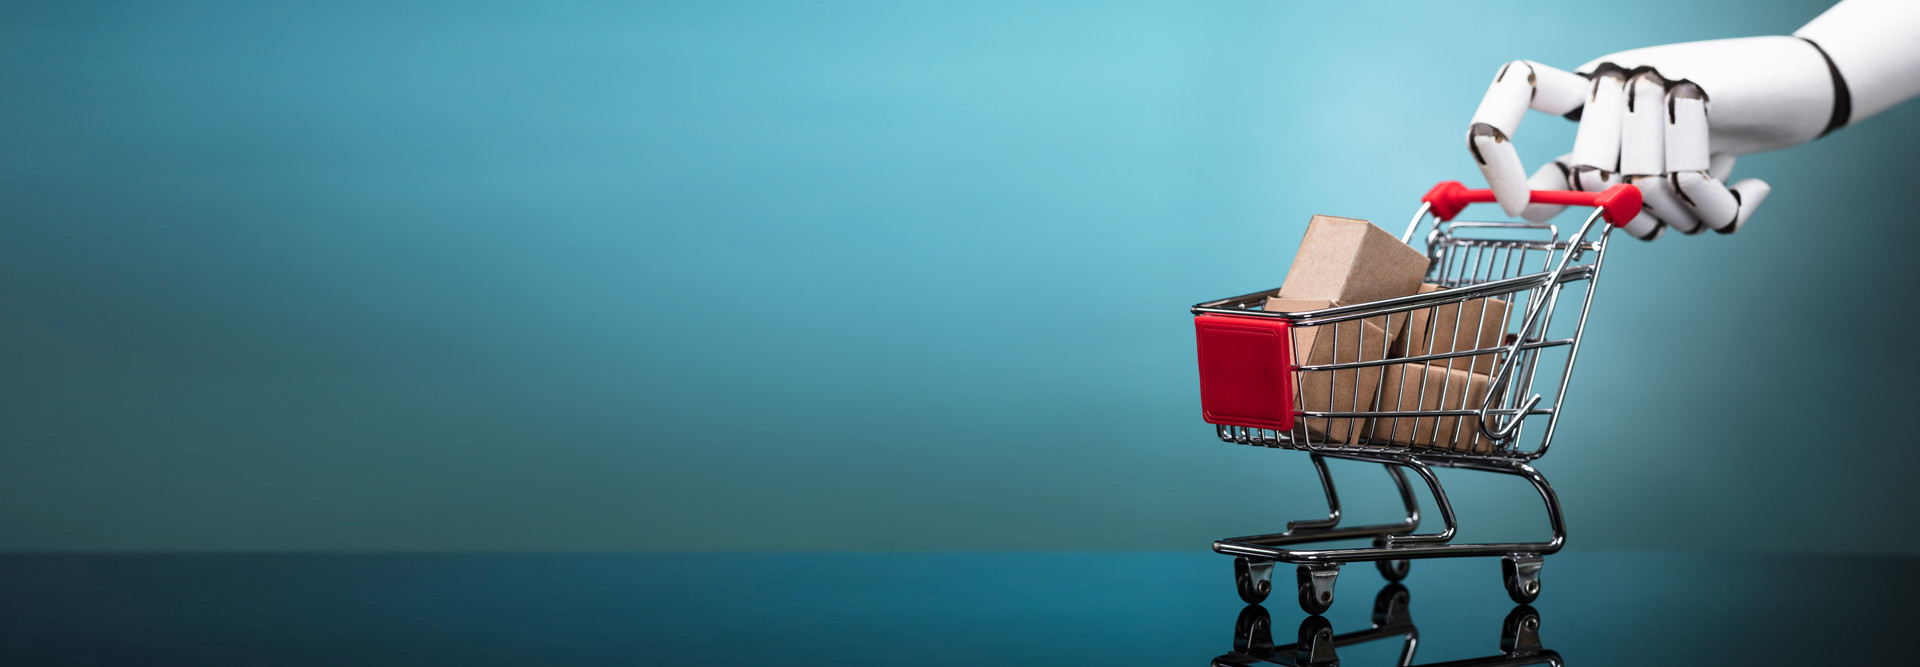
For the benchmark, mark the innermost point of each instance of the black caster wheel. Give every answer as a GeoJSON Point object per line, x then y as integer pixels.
{"type": "Point", "coordinates": [1253, 578]}
{"type": "Point", "coordinates": [1316, 642]}
{"type": "Point", "coordinates": [1390, 607]}
{"type": "Point", "coordinates": [1522, 577]}
{"type": "Point", "coordinates": [1394, 570]}
{"type": "Point", "coordinates": [1521, 631]}
{"type": "Point", "coordinates": [1316, 587]}
{"type": "Point", "coordinates": [1253, 631]}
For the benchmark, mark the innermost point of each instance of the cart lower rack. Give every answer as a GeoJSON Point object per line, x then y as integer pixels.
{"type": "Point", "coordinates": [1513, 277]}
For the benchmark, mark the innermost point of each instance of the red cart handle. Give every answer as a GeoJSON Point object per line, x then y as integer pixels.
{"type": "Point", "coordinates": [1618, 204]}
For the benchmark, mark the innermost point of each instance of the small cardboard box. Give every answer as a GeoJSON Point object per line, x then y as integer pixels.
{"type": "Point", "coordinates": [1475, 324]}
{"type": "Point", "coordinates": [1348, 390]}
{"type": "Point", "coordinates": [1349, 262]}
{"type": "Point", "coordinates": [1444, 389]}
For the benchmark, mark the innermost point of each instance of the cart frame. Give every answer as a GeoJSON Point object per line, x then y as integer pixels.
{"type": "Point", "coordinates": [1465, 258]}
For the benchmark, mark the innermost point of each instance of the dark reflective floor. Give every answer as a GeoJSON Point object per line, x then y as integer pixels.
{"type": "Point", "coordinates": [1596, 608]}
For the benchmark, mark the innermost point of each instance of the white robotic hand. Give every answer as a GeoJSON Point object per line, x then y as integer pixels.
{"type": "Point", "coordinates": [1643, 120]}
{"type": "Point", "coordinates": [1671, 119]}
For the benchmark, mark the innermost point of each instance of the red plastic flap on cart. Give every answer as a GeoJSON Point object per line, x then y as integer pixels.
{"type": "Point", "coordinates": [1246, 371]}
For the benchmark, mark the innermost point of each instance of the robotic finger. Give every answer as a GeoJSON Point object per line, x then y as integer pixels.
{"type": "Point", "coordinates": [1596, 146]}
{"type": "Point", "coordinates": [1720, 167]}
{"type": "Point", "coordinates": [1643, 158]}
{"type": "Point", "coordinates": [1724, 209]}
{"type": "Point", "coordinates": [1553, 175]}
{"type": "Point", "coordinates": [1643, 135]}
{"type": "Point", "coordinates": [1518, 86]}
{"type": "Point", "coordinates": [1690, 166]}
{"type": "Point", "coordinates": [1658, 197]}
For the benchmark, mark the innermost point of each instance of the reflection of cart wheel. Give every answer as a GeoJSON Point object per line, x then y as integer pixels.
{"type": "Point", "coordinates": [1394, 570]}
{"type": "Point", "coordinates": [1390, 607]}
{"type": "Point", "coordinates": [1316, 587]}
{"type": "Point", "coordinates": [1316, 642]}
{"type": "Point", "coordinates": [1253, 578]}
{"type": "Point", "coordinates": [1253, 631]}
{"type": "Point", "coordinates": [1522, 577]}
{"type": "Point", "coordinates": [1521, 631]}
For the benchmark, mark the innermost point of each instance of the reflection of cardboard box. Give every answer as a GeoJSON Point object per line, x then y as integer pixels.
{"type": "Point", "coordinates": [1444, 389]}
{"type": "Point", "coordinates": [1350, 262]}
{"type": "Point", "coordinates": [1347, 390]}
{"type": "Point", "coordinates": [1475, 324]}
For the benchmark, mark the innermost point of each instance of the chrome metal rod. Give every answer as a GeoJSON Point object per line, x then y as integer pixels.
{"type": "Point", "coordinates": [1407, 236]}
{"type": "Point", "coordinates": [1503, 378]}
{"type": "Point", "coordinates": [1406, 495]}
{"type": "Point", "coordinates": [1429, 357]}
{"type": "Point", "coordinates": [1267, 546]}
{"type": "Point", "coordinates": [1384, 306]}
{"type": "Point", "coordinates": [1439, 500]}
{"type": "Point", "coordinates": [1329, 535]}
{"type": "Point", "coordinates": [1360, 554]}
{"type": "Point", "coordinates": [1573, 352]}
{"type": "Point", "coordinates": [1333, 500]}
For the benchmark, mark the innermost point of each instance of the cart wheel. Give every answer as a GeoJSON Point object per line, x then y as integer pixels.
{"type": "Point", "coordinates": [1520, 633]}
{"type": "Point", "coordinates": [1394, 570]}
{"type": "Point", "coordinates": [1522, 577]}
{"type": "Point", "coordinates": [1316, 587]}
{"type": "Point", "coordinates": [1390, 607]}
{"type": "Point", "coordinates": [1253, 578]}
{"type": "Point", "coordinates": [1316, 642]}
{"type": "Point", "coordinates": [1253, 631]}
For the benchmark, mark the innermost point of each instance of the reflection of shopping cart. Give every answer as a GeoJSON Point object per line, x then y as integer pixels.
{"type": "Point", "coordinates": [1318, 645]}
{"type": "Point", "coordinates": [1511, 276]}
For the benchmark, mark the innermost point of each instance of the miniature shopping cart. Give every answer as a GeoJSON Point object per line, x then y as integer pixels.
{"type": "Point", "coordinates": [1516, 275]}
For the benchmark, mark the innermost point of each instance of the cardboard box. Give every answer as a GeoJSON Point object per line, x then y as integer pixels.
{"type": "Point", "coordinates": [1349, 390]}
{"type": "Point", "coordinates": [1445, 389]}
{"type": "Point", "coordinates": [1349, 262]}
{"type": "Point", "coordinates": [1481, 324]}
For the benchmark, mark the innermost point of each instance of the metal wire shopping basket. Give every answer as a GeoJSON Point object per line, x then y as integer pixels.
{"type": "Point", "coordinates": [1382, 405]}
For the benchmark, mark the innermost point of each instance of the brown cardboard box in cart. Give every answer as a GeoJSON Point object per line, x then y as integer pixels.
{"type": "Point", "coordinates": [1401, 390]}
{"type": "Point", "coordinates": [1474, 324]}
{"type": "Point", "coordinates": [1347, 390]}
{"type": "Point", "coordinates": [1350, 262]}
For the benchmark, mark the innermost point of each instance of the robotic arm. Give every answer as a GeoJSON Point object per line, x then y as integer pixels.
{"type": "Point", "coordinates": [1671, 119]}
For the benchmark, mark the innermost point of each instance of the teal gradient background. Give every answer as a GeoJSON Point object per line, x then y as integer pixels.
{"type": "Point", "coordinates": [681, 276]}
